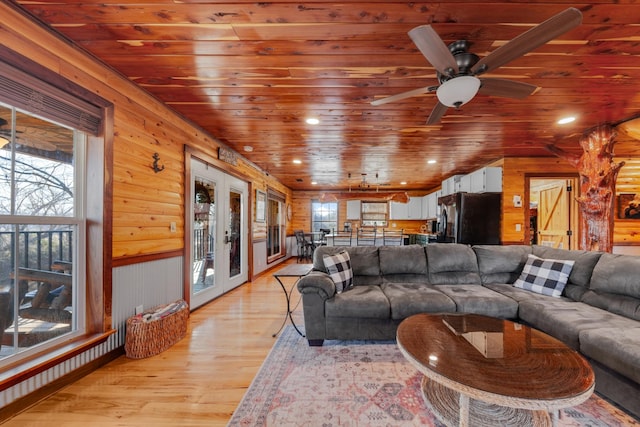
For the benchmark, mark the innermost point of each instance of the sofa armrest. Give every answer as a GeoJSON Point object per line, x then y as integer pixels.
{"type": "Point", "coordinates": [319, 283]}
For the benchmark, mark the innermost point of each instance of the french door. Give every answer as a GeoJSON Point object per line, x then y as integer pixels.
{"type": "Point", "coordinates": [219, 248]}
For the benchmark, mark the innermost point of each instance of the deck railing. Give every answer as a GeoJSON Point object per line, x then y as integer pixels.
{"type": "Point", "coordinates": [41, 249]}
{"type": "Point", "coordinates": [38, 250]}
{"type": "Point", "coordinates": [202, 244]}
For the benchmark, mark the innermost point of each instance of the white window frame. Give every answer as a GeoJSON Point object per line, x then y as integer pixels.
{"type": "Point", "coordinates": [313, 223]}
{"type": "Point", "coordinates": [78, 223]}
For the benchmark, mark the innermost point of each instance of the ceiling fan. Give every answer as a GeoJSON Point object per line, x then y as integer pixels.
{"type": "Point", "coordinates": [457, 68]}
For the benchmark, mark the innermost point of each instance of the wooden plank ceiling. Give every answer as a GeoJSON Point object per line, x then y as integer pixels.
{"type": "Point", "coordinates": [250, 73]}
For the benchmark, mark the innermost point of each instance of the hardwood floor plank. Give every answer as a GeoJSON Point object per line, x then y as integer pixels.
{"type": "Point", "coordinates": [197, 382]}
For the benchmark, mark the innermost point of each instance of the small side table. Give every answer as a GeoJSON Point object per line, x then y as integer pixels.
{"type": "Point", "coordinates": [292, 270]}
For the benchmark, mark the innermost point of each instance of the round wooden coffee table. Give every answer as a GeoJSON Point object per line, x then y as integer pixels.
{"type": "Point", "coordinates": [481, 371]}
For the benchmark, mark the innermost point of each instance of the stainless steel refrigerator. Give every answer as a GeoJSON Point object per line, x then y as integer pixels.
{"type": "Point", "coordinates": [471, 218]}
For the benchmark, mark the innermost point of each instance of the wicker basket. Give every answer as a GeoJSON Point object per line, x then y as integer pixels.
{"type": "Point", "coordinates": [148, 338]}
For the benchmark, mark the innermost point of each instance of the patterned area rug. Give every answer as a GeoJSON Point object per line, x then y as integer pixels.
{"type": "Point", "coordinates": [357, 383]}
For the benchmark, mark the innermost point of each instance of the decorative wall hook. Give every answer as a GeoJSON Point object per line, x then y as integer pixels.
{"type": "Point", "coordinates": [156, 158]}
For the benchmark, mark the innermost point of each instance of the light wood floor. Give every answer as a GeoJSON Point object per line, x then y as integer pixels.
{"type": "Point", "coordinates": [197, 382]}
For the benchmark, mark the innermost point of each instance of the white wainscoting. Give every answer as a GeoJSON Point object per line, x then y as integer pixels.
{"type": "Point", "coordinates": [147, 284]}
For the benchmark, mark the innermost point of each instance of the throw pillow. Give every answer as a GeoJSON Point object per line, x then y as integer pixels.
{"type": "Point", "coordinates": [544, 276]}
{"type": "Point", "coordinates": [339, 268]}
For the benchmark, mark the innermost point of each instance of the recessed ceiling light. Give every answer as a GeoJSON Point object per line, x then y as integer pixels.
{"type": "Point", "coordinates": [297, 161]}
{"type": "Point", "coordinates": [314, 183]}
{"type": "Point", "coordinates": [248, 148]}
{"type": "Point", "coordinates": [403, 183]}
{"type": "Point", "coordinates": [566, 120]}
{"type": "Point", "coordinates": [312, 121]}
{"type": "Point", "coordinates": [432, 161]}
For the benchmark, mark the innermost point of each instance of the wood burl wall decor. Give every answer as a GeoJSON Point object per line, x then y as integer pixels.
{"type": "Point", "coordinates": [598, 173]}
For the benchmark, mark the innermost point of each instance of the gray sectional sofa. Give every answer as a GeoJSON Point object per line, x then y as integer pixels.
{"type": "Point", "coordinates": [598, 313]}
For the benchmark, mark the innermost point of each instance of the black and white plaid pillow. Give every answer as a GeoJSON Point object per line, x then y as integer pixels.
{"type": "Point", "coordinates": [544, 276]}
{"type": "Point", "coordinates": [339, 268]}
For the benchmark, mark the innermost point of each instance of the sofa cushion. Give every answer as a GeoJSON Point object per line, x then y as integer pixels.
{"type": "Point", "coordinates": [544, 276]}
{"type": "Point", "coordinates": [581, 273]}
{"type": "Point", "coordinates": [617, 274]}
{"type": "Point", "coordinates": [406, 299]}
{"type": "Point", "coordinates": [501, 264]}
{"type": "Point", "coordinates": [452, 263]}
{"type": "Point", "coordinates": [616, 348]}
{"type": "Point", "coordinates": [519, 294]}
{"type": "Point", "coordinates": [402, 260]}
{"type": "Point", "coordinates": [360, 301]}
{"type": "Point", "coordinates": [619, 304]}
{"type": "Point", "coordinates": [339, 268]}
{"type": "Point", "coordinates": [365, 262]}
{"type": "Point", "coordinates": [565, 320]}
{"type": "Point", "coordinates": [480, 300]}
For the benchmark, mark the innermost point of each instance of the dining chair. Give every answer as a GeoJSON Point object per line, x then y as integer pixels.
{"type": "Point", "coordinates": [321, 238]}
{"type": "Point", "coordinates": [393, 237]}
{"type": "Point", "coordinates": [366, 236]}
{"type": "Point", "coordinates": [341, 238]}
{"type": "Point", "coordinates": [305, 247]}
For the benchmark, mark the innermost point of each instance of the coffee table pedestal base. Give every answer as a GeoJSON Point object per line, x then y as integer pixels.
{"type": "Point", "coordinates": [455, 409]}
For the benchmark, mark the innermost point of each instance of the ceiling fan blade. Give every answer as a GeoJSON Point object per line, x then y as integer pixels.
{"type": "Point", "coordinates": [434, 49]}
{"type": "Point", "coordinates": [529, 40]}
{"type": "Point", "coordinates": [506, 88]}
{"type": "Point", "coordinates": [437, 113]}
{"type": "Point", "coordinates": [404, 95]}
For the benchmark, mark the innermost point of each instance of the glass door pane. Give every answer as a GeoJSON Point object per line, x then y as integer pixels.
{"type": "Point", "coordinates": [204, 226]}
{"type": "Point", "coordinates": [274, 226]}
{"type": "Point", "coordinates": [235, 227]}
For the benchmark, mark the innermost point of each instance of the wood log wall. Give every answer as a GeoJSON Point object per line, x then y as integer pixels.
{"type": "Point", "coordinates": [626, 232]}
{"type": "Point", "coordinates": [301, 219]}
{"type": "Point", "coordinates": [144, 202]}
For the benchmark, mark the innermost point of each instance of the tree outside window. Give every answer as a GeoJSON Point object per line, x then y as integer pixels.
{"type": "Point", "coordinates": [40, 227]}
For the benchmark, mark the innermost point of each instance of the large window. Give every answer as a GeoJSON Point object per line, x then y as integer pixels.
{"type": "Point", "coordinates": [41, 231]}
{"type": "Point", "coordinates": [373, 214]}
{"type": "Point", "coordinates": [51, 215]}
{"type": "Point", "coordinates": [324, 215]}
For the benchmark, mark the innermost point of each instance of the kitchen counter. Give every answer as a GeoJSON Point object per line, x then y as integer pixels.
{"type": "Point", "coordinates": [421, 238]}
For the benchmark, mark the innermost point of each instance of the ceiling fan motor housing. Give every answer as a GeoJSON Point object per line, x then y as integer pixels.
{"type": "Point", "coordinates": [465, 60]}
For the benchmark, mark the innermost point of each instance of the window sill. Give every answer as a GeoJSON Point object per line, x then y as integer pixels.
{"type": "Point", "coordinates": [25, 369]}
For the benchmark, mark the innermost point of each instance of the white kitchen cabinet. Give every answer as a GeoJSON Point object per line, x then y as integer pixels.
{"type": "Point", "coordinates": [464, 184]}
{"type": "Point", "coordinates": [449, 185]}
{"type": "Point", "coordinates": [430, 205]}
{"type": "Point", "coordinates": [410, 210]}
{"type": "Point", "coordinates": [398, 210]}
{"type": "Point", "coordinates": [414, 208]}
{"type": "Point", "coordinates": [353, 210]}
{"type": "Point", "coordinates": [425, 206]}
{"type": "Point", "coordinates": [487, 179]}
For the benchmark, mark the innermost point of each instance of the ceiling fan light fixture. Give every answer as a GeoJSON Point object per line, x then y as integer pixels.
{"type": "Point", "coordinates": [458, 91]}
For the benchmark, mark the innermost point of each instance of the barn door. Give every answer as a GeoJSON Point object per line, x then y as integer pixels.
{"type": "Point", "coordinates": [556, 212]}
